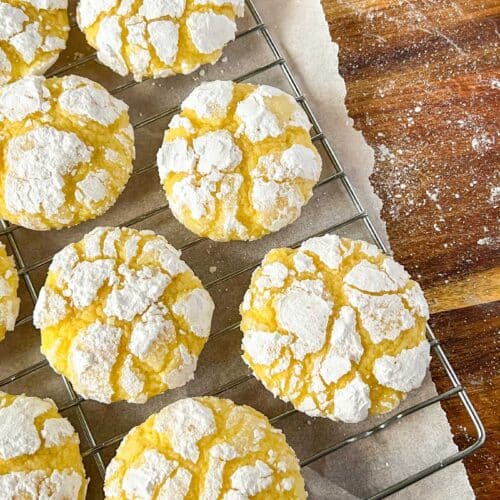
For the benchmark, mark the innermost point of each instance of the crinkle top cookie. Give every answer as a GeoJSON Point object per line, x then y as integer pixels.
{"type": "Point", "coordinates": [39, 451]}
{"type": "Point", "coordinates": [9, 302]}
{"type": "Point", "coordinates": [153, 38]}
{"type": "Point", "coordinates": [336, 327]}
{"type": "Point", "coordinates": [32, 34]}
{"type": "Point", "coordinates": [66, 151]}
{"type": "Point", "coordinates": [238, 162]}
{"type": "Point", "coordinates": [122, 316]}
{"type": "Point", "coordinates": [208, 449]}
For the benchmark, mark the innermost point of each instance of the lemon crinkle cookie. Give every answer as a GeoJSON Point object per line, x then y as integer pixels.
{"type": "Point", "coordinates": [122, 316]}
{"type": "Point", "coordinates": [9, 302]}
{"type": "Point", "coordinates": [32, 34]}
{"type": "Point", "coordinates": [238, 162]}
{"type": "Point", "coordinates": [39, 451]}
{"type": "Point", "coordinates": [152, 38]}
{"type": "Point", "coordinates": [336, 327]}
{"type": "Point", "coordinates": [66, 151]}
{"type": "Point", "coordinates": [205, 448]}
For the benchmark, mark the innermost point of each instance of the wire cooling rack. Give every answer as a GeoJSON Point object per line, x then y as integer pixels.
{"type": "Point", "coordinates": [354, 223]}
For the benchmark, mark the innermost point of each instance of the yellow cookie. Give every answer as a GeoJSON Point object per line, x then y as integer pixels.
{"type": "Point", "coordinates": [336, 327]}
{"type": "Point", "coordinates": [205, 449]}
{"type": "Point", "coordinates": [152, 38]}
{"type": "Point", "coordinates": [122, 316]}
{"type": "Point", "coordinates": [238, 162]}
{"type": "Point", "coordinates": [32, 34]}
{"type": "Point", "coordinates": [9, 303]}
{"type": "Point", "coordinates": [39, 452]}
{"type": "Point", "coordinates": [66, 151]}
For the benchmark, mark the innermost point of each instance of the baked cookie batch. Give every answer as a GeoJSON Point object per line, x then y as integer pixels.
{"type": "Point", "coordinates": [335, 327]}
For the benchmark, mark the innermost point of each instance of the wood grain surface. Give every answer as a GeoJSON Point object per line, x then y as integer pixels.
{"type": "Point", "coordinates": [423, 80]}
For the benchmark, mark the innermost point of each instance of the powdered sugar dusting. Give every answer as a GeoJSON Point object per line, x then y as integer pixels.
{"type": "Point", "coordinates": [186, 422]}
{"type": "Point", "coordinates": [406, 371]}
{"type": "Point", "coordinates": [18, 433]}
{"type": "Point", "coordinates": [38, 162]}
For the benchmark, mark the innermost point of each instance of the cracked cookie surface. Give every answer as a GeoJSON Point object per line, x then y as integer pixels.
{"type": "Point", "coordinates": [205, 448]}
{"type": "Point", "coordinates": [66, 151]}
{"type": "Point", "coordinates": [149, 38]}
{"type": "Point", "coordinates": [32, 34]}
{"type": "Point", "coordinates": [9, 302]}
{"type": "Point", "coordinates": [39, 451]}
{"type": "Point", "coordinates": [122, 316]}
{"type": "Point", "coordinates": [238, 162]}
{"type": "Point", "coordinates": [335, 327]}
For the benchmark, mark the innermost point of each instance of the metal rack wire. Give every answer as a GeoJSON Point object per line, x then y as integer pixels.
{"type": "Point", "coordinates": [95, 449]}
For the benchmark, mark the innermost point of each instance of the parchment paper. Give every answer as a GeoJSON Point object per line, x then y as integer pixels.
{"type": "Point", "coordinates": [369, 465]}
{"type": "Point", "coordinates": [356, 470]}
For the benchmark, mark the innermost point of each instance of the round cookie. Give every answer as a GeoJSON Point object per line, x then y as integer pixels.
{"type": "Point", "coordinates": [238, 162]}
{"type": "Point", "coordinates": [9, 302]}
{"type": "Point", "coordinates": [66, 151]}
{"type": "Point", "coordinates": [122, 316]}
{"type": "Point", "coordinates": [152, 38]}
{"type": "Point", "coordinates": [205, 448]}
{"type": "Point", "coordinates": [336, 327]}
{"type": "Point", "coordinates": [32, 34]}
{"type": "Point", "coordinates": [39, 452]}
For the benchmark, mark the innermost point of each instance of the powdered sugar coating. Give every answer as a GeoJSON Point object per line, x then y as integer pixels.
{"type": "Point", "coordinates": [204, 448]}
{"type": "Point", "coordinates": [209, 31]}
{"type": "Point", "coordinates": [56, 135]}
{"type": "Point", "coordinates": [85, 99]}
{"type": "Point", "coordinates": [210, 99]}
{"type": "Point", "coordinates": [38, 484]}
{"type": "Point", "coordinates": [384, 317]}
{"type": "Point", "coordinates": [93, 354]}
{"type": "Point", "coordinates": [134, 316]}
{"type": "Point", "coordinates": [39, 455]}
{"type": "Point", "coordinates": [18, 433]}
{"type": "Point", "coordinates": [142, 481]}
{"type": "Point", "coordinates": [21, 99]}
{"type": "Point", "coordinates": [9, 302]}
{"type": "Point", "coordinates": [32, 34]}
{"type": "Point", "coordinates": [232, 186]}
{"type": "Point", "coordinates": [352, 402]}
{"type": "Point", "coordinates": [38, 163]}
{"type": "Point", "coordinates": [151, 38]}
{"type": "Point", "coordinates": [56, 431]}
{"type": "Point", "coordinates": [406, 371]}
{"type": "Point", "coordinates": [342, 333]}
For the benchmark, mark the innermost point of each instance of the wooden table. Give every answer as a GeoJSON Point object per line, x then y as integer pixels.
{"type": "Point", "coordinates": [422, 80]}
